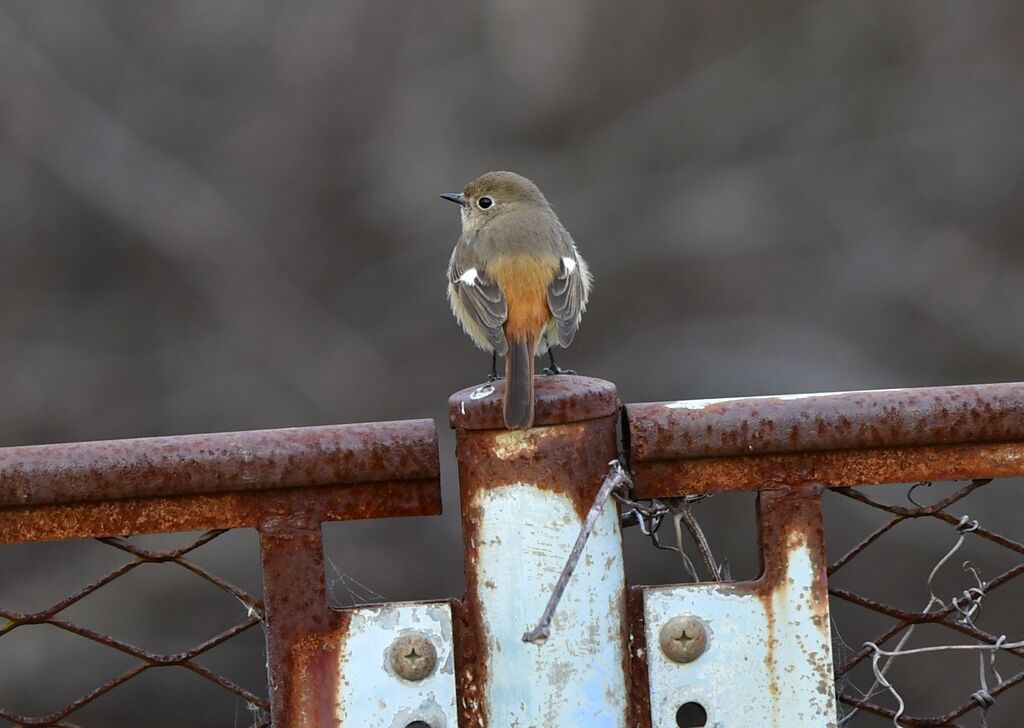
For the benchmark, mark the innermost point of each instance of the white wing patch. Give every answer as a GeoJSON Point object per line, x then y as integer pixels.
{"type": "Point", "coordinates": [569, 263]}
{"type": "Point", "coordinates": [469, 277]}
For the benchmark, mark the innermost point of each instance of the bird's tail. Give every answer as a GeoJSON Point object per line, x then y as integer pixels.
{"type": "Point", "coordinates": [519, 364]}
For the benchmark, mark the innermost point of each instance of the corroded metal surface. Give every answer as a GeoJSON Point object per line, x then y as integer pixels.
{"type": "Point", "coordinates": [217, 510]}
{"type": "Point", "coordinates": [639, 707]}
{"type": "Point", "coordinates": [838, 421]}
{"type": "Point", "coordinates": [195, 482]}
{"type": "Point", "coordinates": [412, 656]}
{"type": "Point", "coordinates": [303, 633]}
{"type": "Point", "coordinates": [524, 496]}
{"type": "Point", "coordinates": [218, 463]}
{"type": "Point", "coordinates": [665, 478]}
{"type": "Point", "coordinates": [768, 659]}
{"type": "Point", "coordinates": [884, 436]}
{"type": "Point", "coordinates": [560, 399]}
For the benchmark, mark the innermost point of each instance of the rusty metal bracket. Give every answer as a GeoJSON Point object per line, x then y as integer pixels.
{"type": "Point", "coordinates": [749, 653]}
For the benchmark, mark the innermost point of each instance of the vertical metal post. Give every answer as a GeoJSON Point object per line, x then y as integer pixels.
{"type": "Point", "coordinates": [525, 494]}
{"type": "Point", "coordinates": [301, 657]}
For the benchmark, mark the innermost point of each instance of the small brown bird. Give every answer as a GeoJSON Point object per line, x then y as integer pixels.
{"type": "Point", "coordinates": [516, 282]}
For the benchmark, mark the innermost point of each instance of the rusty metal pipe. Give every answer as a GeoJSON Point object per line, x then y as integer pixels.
{"type": "Point", "coordinates": [218, 463]}
{"type": "Point", "coordinates": [845, 438]}
{"type": "Point", "coordinates": [814, 422]}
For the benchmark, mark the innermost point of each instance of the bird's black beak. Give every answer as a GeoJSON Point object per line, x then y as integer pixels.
{"type": "Point", "coordinates": [454, 197]}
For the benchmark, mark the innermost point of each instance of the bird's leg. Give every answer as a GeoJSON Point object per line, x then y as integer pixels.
{"type": "Point", "coordinates": [554, 368]}
{"type": "Point", "coordinates": [493, 376]}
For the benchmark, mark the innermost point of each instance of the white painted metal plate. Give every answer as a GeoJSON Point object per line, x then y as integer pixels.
{"type": "Point", "coordinates": [768, 663]}
{"type": "Point", "coordinates": [371, 695]}
{"type": "Point", "coordinates": [576, 677]}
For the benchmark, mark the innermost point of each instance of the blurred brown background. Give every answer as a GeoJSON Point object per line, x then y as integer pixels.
{"type": "Point", "coordinates": [224, 216]}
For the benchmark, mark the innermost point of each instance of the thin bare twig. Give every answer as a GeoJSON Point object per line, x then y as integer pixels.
{"type": "Point", "coordinates": [617, 478]}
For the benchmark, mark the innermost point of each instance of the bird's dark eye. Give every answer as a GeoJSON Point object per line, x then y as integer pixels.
{"type": "Point", "coordinates": [485, 202]}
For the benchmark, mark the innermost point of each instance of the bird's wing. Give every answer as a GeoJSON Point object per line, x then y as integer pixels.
{"type": "Point", "coordinates": [482, 302]}
{"type": "Point", "coordinates": [567, 295]}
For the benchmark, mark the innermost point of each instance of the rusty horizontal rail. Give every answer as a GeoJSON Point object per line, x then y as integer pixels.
{"type": "Point", "coordinates": [214, 463]}
{"type": "Point", "coordinates": [221, 480]}
{"type": "Point", "coordinates": [844, 438]}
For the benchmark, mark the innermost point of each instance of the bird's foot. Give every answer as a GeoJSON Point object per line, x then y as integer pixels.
{"type": "Point", "coordinates": [555, 369]}
{"type": "Point", "coordinates": [493, 376]}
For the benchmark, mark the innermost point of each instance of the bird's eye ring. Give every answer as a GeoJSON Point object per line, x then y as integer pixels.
{"type": "Point", "coordinates": [484, 202]}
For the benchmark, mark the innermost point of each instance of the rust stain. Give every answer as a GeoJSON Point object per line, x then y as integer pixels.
{"type": "Point", "coordinates": [469, 635]}
{"type": "Point", "coordinates": [559, 399]}
{"type": "Point", "coordinates": [314, 679]}
{"type": "Point", "coordinates": [677, 477]}
{"type": "Point", "coordinates": [639, 693]}
{"type": "Point", "coordinates": [569, 459]}
{"type": "Point", "coordinates": [770, 663]}
{"type": "Point", "coordinates": [218, 510]}
{"type": "Point", "coordinates": [788, 519]}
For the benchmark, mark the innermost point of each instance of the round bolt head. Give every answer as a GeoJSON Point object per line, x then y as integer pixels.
{"type": "Point", "coordinates": [413, 656]}
{"type": "Point", "coordinates": [684, 638]}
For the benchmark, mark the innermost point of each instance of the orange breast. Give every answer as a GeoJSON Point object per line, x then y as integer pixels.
{"type": "Point", "coordinates": [524, 279]}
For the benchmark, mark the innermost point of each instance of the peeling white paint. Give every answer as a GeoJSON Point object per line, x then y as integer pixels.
{"type": "Point", "coordinates": [768, 661]}
{"type": "Point", "coordinates": [515, 443]}
{"type": "Point", "coordinates": [574, 678]}
{"type": "Point", "coordinates": [484, 390]}
{"type": "Point", "coordinates": [370, 694]}
{"type": "Point", "coordinates": [699, 404]}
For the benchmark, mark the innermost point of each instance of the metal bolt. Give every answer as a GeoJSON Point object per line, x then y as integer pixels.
{"type": "Point", "coordinates": [413, 656]}
{"type": "Point", "coordinates": [684, 638]}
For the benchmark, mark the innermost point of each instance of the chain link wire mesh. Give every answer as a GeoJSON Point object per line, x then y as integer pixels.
{"type": "Point", "coordinates": [257, 706]}
{"type": "Point", "coordinates": [951, 622]}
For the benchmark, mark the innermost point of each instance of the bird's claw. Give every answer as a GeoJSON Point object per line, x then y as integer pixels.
{"type": "Point", "coordinates": [555, 369]}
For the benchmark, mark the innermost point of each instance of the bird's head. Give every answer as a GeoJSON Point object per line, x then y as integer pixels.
{"type": "Point", "coordinates": [494, 194]}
